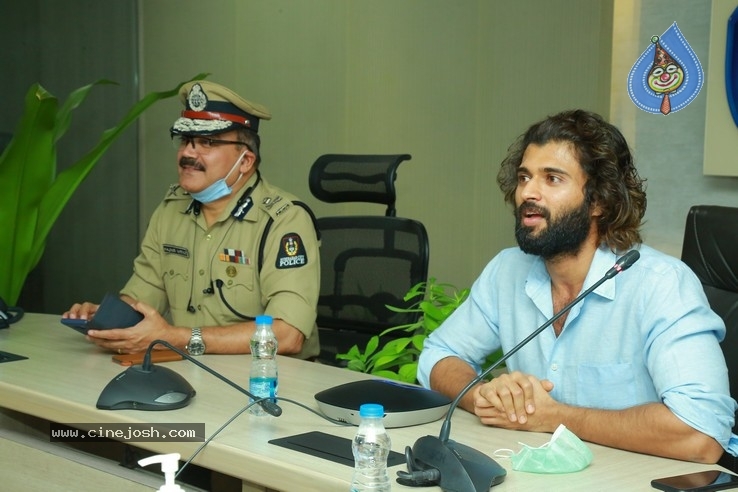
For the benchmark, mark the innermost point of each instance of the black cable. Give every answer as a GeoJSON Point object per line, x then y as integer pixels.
{"type": "Point", "coordinates": [207, 441]}
{"type": "Point", "coordinates": [325, 417]}
{"type": "Point", "coordinates": [219, 285]}
{"type": "Point", "coordinates": [228, 422]}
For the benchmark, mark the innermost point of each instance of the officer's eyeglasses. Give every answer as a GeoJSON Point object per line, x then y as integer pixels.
{"type": "Point", "coordinates": [202, 144]}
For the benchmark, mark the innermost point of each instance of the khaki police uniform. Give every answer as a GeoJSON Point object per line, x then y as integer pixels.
{"type": "Point", "coordinates": [182, 262]}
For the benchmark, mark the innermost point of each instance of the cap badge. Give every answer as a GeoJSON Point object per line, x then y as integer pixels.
{"type": "Point", "coordinates": [197, 99]}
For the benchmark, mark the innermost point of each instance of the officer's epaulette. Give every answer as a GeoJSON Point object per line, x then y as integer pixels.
{"type": "Point", "coordinates": [176, 192]}
{"type": "Point", "coordinates": [275, 206]}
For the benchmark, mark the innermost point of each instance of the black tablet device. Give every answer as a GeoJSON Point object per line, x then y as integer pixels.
{"type": "Point", "coordinates": [112, 313]}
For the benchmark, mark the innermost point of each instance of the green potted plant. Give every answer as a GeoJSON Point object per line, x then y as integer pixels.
{"type": "Point", "coordinates": [397, 358]}
{"type": "Point", "coordinates": [33, 195]}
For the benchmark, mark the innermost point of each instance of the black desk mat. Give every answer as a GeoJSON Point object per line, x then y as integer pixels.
{"type": "Point", "coordinates": [329, 447]}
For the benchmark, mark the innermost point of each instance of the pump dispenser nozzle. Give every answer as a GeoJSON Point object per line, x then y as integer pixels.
{"type": "Point", "coordinates": [169, 465]}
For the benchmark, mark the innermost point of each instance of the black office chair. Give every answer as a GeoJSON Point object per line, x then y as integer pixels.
{"type": "Point", "coordinates": [367, 261]}
{"type": "Point", "coordinates": [710, 249]}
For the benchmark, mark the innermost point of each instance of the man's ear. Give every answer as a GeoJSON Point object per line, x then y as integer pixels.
{"type": "Point", "coordinates": [596, 210]}
{"type": "Point", "coordinates": [247, 162]}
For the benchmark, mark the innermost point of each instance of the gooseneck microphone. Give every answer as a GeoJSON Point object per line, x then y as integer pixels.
{"type": "Point", "coordinates": [464, 469]}
{"type": "Point", "coordinates": [623, 263]}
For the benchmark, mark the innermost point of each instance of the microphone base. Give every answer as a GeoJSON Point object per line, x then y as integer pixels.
{"type": "Point", "coordinates": [159, 388]}
{"type": "Point", "coordinates": [462, 468]}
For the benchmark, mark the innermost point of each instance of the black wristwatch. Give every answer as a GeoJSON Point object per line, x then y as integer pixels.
{"type": "Point", "coordinates": [196, 345]}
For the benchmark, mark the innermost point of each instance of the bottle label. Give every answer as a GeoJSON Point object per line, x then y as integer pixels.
{"type": "Point", "coordinates": [263, 387]}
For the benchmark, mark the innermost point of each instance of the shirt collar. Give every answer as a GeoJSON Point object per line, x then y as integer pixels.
{"type": "Point", "coordinates": [539, 280]}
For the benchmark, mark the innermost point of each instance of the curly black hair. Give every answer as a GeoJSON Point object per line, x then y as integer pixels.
{"type": "Point", "coordinates": [613, 182]}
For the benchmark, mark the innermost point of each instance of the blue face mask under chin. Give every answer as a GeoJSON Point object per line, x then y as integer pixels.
{"type": "Point", "coordinates": [218, 189]}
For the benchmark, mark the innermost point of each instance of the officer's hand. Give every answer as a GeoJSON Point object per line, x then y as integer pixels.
{"type": "Point", "coordinates": [136, 338]}
{"type": "Point", "coordinates": [86, 310]}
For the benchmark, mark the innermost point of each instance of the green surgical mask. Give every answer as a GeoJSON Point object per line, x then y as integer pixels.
{"type": "Point", "coordinates": [564, 453]}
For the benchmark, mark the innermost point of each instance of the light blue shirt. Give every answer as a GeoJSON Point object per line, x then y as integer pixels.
{"type": "Point", "coordinates": [646, 335]}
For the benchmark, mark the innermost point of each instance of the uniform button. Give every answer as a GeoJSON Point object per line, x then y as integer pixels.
{"type": "Point", "coordinates": [171, 272]}
{"type": "Point", "coordinates": [201, 272]}
{"type": "Point", "coordinates": [208, 237]}
{"type": "Point", "coordinates": [199, 307]}
{"type": "Point", "coordinates": [554, 367]}
{"type": "Point", "coordinates": [230, 282]}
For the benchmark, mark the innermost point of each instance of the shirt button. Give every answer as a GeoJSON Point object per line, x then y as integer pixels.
{"type": "Point", "coordinates": [208, 237]}
{"type": "Point", "coordinates": [554, 367]}
{"type": "Point", "coordinates": [201, 272]}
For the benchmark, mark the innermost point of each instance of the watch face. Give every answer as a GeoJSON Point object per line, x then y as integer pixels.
{"type": "Point", "coordinates": [196, 347]}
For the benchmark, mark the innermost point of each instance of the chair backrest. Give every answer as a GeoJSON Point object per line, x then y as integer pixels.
{"type": "Point", "coordinates": [336, 178]}
{"type": "Point", "coordinates": [367, 262]}
{"type": "Point", "coordinates": [710, 249]}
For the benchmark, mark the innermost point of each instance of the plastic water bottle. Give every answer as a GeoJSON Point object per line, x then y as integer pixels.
{"type": "Point", "coordinates": [263, 380]}
{"type": "Point", "coordinates": [371, 447]}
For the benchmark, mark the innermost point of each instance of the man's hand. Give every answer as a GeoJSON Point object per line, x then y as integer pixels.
{"type": "Point", "coordinates": [85, 310]}
{"type": "Point", "coordinates": [136, 338]}
{"type": "Point", "coordinates": [516, 401]}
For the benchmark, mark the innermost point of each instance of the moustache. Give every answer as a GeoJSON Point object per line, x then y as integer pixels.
{"type": "Point", "coordinates": [185, 162]}
{"type": "Point", "coordinates": [531, 209]}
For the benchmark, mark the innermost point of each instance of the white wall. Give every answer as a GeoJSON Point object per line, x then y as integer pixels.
{"type": "Point", "coordinates": [450, 82]}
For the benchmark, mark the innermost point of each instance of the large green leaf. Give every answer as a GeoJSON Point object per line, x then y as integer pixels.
{"type": "Point", "coordinates": [32, 194]}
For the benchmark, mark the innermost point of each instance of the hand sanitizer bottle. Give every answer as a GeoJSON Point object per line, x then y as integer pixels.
{"type": "Point", "coordinates": [169, 465]}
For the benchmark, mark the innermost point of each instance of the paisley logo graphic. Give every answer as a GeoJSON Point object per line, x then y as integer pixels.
{"type": "Point", "coordinates": [667, 76]}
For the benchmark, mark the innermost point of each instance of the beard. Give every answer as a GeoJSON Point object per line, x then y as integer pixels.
{"type": "Point", "coordinates": [562, 235]}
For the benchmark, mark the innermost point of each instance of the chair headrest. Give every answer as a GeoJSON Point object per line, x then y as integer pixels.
{"type": "Point", "coordinates": [339, 178]}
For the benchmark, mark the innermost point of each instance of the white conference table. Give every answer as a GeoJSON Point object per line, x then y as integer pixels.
{"type": "Point", "coordinates": [64, 374]}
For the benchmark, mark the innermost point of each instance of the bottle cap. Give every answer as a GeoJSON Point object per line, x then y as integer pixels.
{"type": "Point", "coordinates": [371, 410]}
{"type": "Point", "coordinates": [264, 319]}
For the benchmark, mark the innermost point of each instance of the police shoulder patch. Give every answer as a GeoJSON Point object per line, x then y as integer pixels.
{"type": "Point", "coordinates": [292, 252]}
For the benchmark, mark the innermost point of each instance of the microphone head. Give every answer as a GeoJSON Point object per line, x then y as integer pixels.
{"type": "Point", "coordinates": [627, 260]}
{"type": "Point", "coordinates": [623, 263]}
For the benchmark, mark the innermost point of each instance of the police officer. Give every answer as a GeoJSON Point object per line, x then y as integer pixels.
{"type": "Point", "coordinates": [223, 246]}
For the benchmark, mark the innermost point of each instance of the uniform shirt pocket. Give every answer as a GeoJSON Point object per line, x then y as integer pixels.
{"type": "Point", "coordinates": [176, 275]}
{"type": "Point", "coordinates": [238, 279]}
